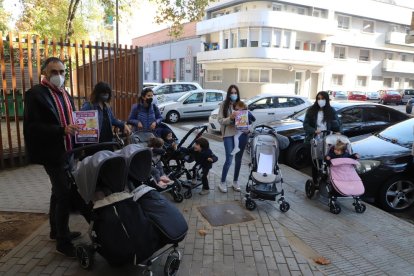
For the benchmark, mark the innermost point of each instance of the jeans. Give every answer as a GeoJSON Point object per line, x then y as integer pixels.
{"type": "Point", "coordinates": [228, 147]}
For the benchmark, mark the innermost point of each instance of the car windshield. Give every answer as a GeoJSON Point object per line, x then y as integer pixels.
{"type": "Point", "coordinates": [300, 115]}
{"type": "Point", "coordinates": [393, 93]}
{"type": "Point", "coordinates": [400, 134]}
{"type": "Point", "coordinates": [340, 93]}
{"type": "Point", "coordinates": [358, 93]}
{"type": "Point", "coordinates": [184, 96]}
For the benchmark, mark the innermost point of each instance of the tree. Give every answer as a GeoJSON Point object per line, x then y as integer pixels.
{"type": "Point", "coordinates": [4, 18]}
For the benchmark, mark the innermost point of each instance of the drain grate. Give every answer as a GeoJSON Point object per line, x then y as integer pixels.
{"type": "Point", "coordinates": [223, 214]}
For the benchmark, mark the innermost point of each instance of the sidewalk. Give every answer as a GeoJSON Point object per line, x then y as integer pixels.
{"type": "Point", "coordinates": [275, 243]}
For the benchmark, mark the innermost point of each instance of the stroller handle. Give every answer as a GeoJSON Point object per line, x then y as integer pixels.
{"type": "Point", "coordinates": [90, 149]}
{"type": "Point", "coordinates": [202, 129]}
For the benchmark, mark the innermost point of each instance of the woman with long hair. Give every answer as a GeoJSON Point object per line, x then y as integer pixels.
{"type": "Point", "coordinates": [226, 118]}
{"type": "Point", "coordinates": [100, 100]}
{"type": "Point", "coordinates": [321, 116]}
{"type": "Point", "coordinates": [145, 115]}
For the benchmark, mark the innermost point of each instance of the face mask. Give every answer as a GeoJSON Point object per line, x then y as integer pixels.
{"type": "Point", "coordinates": [57, 80]}
{"type": "Point", "coordinates": [321, 103]}
{"type": "Point", "coordinates": [148, 101]}
{"type": "Point", "coordinates": [104, 97]}
{"type": "Point", "coordinates": [233, 97]}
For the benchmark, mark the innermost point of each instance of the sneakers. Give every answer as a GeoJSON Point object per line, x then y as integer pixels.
{"type": "Point", "coordinates": [72, 235]}
{"type": "Point", "coordinates": [236, 186]}
{"type": "Point", "coordinates": [235, 151]}
{"type": "Point", "coordinates": [223, 187]}
{"type": "Point", "coordinates": [204, 192]}
{"type": "Point", "coordinates": [67, 250]}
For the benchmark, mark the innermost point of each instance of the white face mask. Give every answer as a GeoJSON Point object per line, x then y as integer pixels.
{"type": "Point", "coordinates": [321, 103]}
{"type": "Point", "coordinates": [57, 80]}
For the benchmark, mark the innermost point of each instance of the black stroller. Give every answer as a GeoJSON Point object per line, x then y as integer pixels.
{"type": "Point", "coordinates": [125, 227]}
{"type": "Point", "coordinates": [264, 169]}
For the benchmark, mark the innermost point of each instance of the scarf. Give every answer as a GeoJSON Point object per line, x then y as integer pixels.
{"type": "Point", "coordinates": [55, 92]}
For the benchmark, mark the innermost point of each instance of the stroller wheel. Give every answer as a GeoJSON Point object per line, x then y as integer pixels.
{"type": "Point", "coordinates": [309, 188]}
{"type": "Point", "coordinates": [188, 194]}
{"type": "Point", "coordinates": [178, 197]}
{"type": "Point", "coordinates": [250, 204]}
{"type": "Point", "coordinates": [334, 208]}
{"type": "Point", "coordinates": [172, 265]}
{"type": "Point", "coordinates": [360, 208]}
{"type": "Point", "coordinates": [284, 206]}
{"type": "Point", "coordinates": [85, 255]}
{"type": "Point", "coordinates": [247, 189]}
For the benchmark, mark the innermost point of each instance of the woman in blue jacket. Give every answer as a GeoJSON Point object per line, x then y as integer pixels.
{"type": "Point", "coordinates": [99, 100]}
{"type": "Point", "coordinates": [145, 115]}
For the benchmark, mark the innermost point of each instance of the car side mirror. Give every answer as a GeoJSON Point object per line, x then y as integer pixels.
{"type": "Point", "coordinates": [252, 107]}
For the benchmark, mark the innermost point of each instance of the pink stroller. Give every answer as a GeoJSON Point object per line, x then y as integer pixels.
{"type": "Point", "coordinates": [340, 178]}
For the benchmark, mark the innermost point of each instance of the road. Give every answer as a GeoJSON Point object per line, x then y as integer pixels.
{"type": "Point", "coordinates": [408, 215]}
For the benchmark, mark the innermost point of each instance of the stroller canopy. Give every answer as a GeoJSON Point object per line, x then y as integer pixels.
{"type": "Point", "coordinates": [139, 161]}
{"type": "Point", "coordinates": [104, 169]}
{"type": "Point", "coordinates": [264, 146]}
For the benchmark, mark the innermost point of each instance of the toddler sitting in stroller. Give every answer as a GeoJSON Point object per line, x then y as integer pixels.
{"type": "Point", "coordinates": [339, 150]}
{"type": "Point", "coordinates": [204, 157]}
{"type": "Point", "coordinates": [157, 171]}
{"type": "Point", "coordinates": [170, 144]}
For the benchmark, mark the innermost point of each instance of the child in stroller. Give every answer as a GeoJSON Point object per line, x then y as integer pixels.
{"type": "Point", "coordinates": [157, 172]}
{"type": "Point", "coordinates": [332, 156]}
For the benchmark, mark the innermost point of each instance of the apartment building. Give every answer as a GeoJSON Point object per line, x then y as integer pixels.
{"type": "Point", "coordinates": [295, 46]}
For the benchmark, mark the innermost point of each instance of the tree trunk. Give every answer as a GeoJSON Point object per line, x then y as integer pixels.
{"type": "Point", "coordinates": [73, 6]}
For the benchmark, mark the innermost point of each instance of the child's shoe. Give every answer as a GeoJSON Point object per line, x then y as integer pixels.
{"type": "Point", "coordinates": [236, 186]}
{"type": "Point", "coordinates": [235, 151]}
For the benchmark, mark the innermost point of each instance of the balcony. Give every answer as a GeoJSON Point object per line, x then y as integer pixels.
{"type": "Point", "coordinates": [398, 66]}
{"type": "Point", "coordinates": [263, 54]}
{"type": "Point", "coordinates": [264, 18]}
{"type": "Point", "coordinates": [396, 38]}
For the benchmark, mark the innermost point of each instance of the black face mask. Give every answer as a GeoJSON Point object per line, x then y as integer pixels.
{"type": "Point", "coordinates": [104, 97]}
{"type": "Point", "coordinates": [148, 101]}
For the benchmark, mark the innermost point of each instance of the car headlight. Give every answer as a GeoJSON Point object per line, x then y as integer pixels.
{"type": "Point", "coordinates": [214, 116]}
{"type": "Point", "coordinates": [365, 166]}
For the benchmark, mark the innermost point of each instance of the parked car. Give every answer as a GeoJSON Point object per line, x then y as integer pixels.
{"type": "Point", "coordinates": [373, 95]}
{"type": "Point", "coordinates": [357, 96]}
{"type": "Point", "coordinates": [197, 103]}
{"type": "Point", "coordinates": [409, 106]}
{"type": "Point", "coordinates": [386, 166]}
{"type": "Point", "coordinates": [406, 95]}
{"type": "Point", "coordinates": [172, 91]}
{"type": "Point", "coordinates": [337, 95]}
{"type": "Point", "coordinates": [390, 96]}
{"type": "Point", "coordinates": [267, 108]}
{"type": "Point", "coordinates": [150, 84]}
{"type": "Point", "coordinates": [357, 118]}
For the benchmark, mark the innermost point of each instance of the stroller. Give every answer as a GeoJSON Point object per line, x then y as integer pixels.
{"type": "Point", "coordinates": [339, 179]}
{"type": "Point", "coordinates": [125, 227]}
{"type": "Point", "coordinates": [264, 169]}
{"type": "Point", "coordinates": [174, 162]}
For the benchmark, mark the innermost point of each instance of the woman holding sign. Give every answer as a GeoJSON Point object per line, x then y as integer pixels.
{"type": "Point", "coordinates": [227, 119]}
{"type": "Point", "coordinates": [99, 100]}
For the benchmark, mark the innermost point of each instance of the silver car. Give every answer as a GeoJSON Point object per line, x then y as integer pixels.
{"type": "Point", "coordinates": [172, 91]}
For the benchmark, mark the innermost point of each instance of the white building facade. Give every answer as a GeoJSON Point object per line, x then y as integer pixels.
{"type": "Point", "coordinates": [304, 46]}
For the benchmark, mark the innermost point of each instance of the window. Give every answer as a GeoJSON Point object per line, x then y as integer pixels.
{"type": "Point", "coordinates": [368, 26]}
{"type": "Point", "coordinates": [177, 88]}
{"type": "Point", "coordinates": [286, 39]}
{"type": "Point", "coordinates": [266, 37]}
{"type": "Point", "coordinates": [181, 64]}
{"type": "Point", "coordinates": [337, 79]}
{"type": "Point", "coordinates": [364, 55]}
{"type": "Point", "coordinates": [243, 37]}
{"type": "Point", "coordinates": [277, 7]}
{"type": "Point", "coordinates": [361, 81]}
{"type": "Point", "coordinates": [343, 22]}
{"type": "Point", "coordinates": [195, 98]}
{"type": "Point", "coordinates": [262, 104]}
{"type": "Point", "coordinates": [146, 71]}
{"type": "Point", "coordinates": [154, 70]}
{"type": "Point", "coordinates": [301, 11]}
{"type": "Point", "coordinates": [411, 84]}
{"type": "Point", "coordinates": [237, 9]}
{"type": "Point", "coordinates": [339, 52]}
{"type": "Point", "coordinates": [388, 56]}
{"type": "Point", "coordinates": [163, 90]}
{"type": "Point", "coordinates": [196, 69]}
{"type": "Point", "coordinates": [254, 75]}
{"type": "Point", "coordinates": [387, 82]}
{"type": "Point", "coordinates": [254, 37]}
{"type": "Point", "coordinates": [298, 45]}
{"type": "Point", "coordinates": [403, 57]}
{"type": "Point", "coordinates": [277, 38]}
{"type": "Point", "coordinates": [380, 116]}
{"type": "Point", "coordinates": [214, 75]}
{"type": "Point", "coordinates": [288, 101]}
{"type": "Point", "coordinates": [226, 40]}
{"type": "Point", "coordinates": [213, 97]}
{"type": "Point", "coordinates": [351, 116]}
{"type": "Point", "coordinates": [188, 87]}
{"type": "Point", "coordinates": [233, 38]}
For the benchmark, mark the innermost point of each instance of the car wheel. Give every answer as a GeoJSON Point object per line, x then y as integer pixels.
{"type": "Point", "coordinates": [298, 156]}
{"type": "Point", "coordinates": [173, 117]}
{"type": "Point", "coordinates": [382, 102]}
{"type": "Point", "coordinates": [397, 194]}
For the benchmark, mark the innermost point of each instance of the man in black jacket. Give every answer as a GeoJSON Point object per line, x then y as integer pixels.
{"type": "Point", "coordinates": [48, 134]}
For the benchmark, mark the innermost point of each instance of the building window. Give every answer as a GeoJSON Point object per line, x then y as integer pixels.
{"type": "Point", "coordinates": [277, 38]}
{"type": "Point", "coordinates": [286, 39]}
{"type": "Point", "coordinates": [154, 70]}
{"type": "Point", "coordinates": [214, 75]}
{"type": "Point", "coordinates": [254, 37]}
{"type": "Point", "coordinates": [237, 9]}
{"type": "Point", "coordinates": [243, 37]}
{"type": "Point", "coordinates": [368, 26]}
{"type": "Point", "coordinates": [364, 55]}
{"type": "Point", "coordinates": [388, 56]}
{"type": "Point", "coordinates": [403, 57]}
{"type": "Point", "coordinates": [196, 69]}
{"type": "Point", "coordinates": [301, 11]}
{"type": "Point", "coordinates": [361, 81]}
{"type": "Point", "coordinates": [343, 22]}
{"type": "Point", "coordinates": [411, 83]}
{"type": "Point", "coordinates": [181, 64]}
{"type": "Point", "coordinates": [337, 79]}
{"type": "Point", "coordinates": [339, 52]}
{"type": "Point", "coordinates": [387, 82]}
{"type": "Point", "coordinates": [298, 45]}
{"type": "Point", "coordinates": [254, 75]}
{"type": "Point", "coordinates": [277, 7]}
{"type": "Point", "coordinates": [266, 37]}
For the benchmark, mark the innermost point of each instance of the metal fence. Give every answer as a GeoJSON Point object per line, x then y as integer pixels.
{"type": "Point", "coordinates": [21, 57]}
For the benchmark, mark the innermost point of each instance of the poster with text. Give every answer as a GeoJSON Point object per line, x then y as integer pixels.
{"type": "Point", "coordinates": [242, 120]}
{"type": "Point", "coordinates": [89, 126]}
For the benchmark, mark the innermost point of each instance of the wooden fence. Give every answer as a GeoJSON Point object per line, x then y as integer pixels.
{"type": "Point", "coordinates": [21, 57]}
